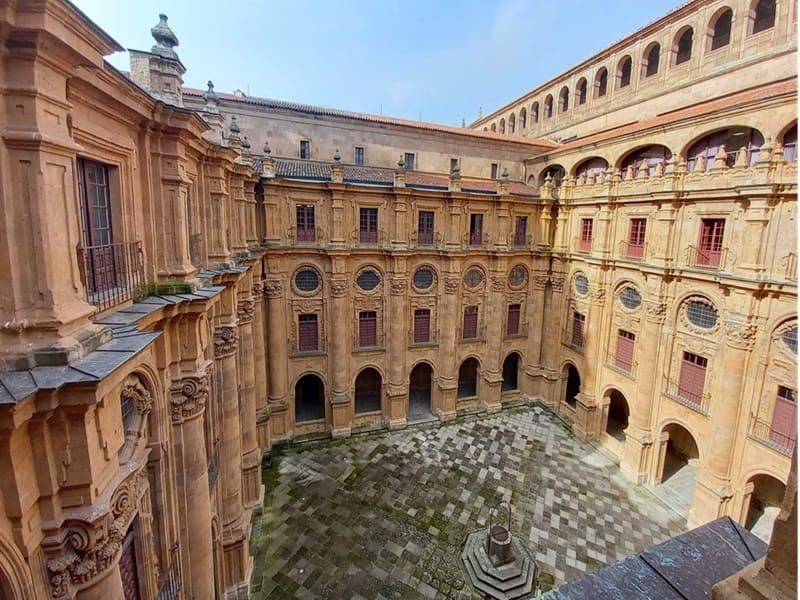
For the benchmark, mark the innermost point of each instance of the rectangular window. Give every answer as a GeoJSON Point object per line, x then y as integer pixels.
{"type": "Point", "coordinates": [521, 231]}
{"type": "Point", "coordinates": [636, 238]}
{"type": "Point", "coordinates": [625, 343]}
{"type": "Point", "coordinates": [305, 149]}
{"type": "Point", "coordinates": [784, 418]}
{"type": "Point", "coordinates": [693, 377]}
{"type": "Point", "coordinates": [578, 322]}
{"type": "Point", "coordinates": [494, 170]}
{"type": "Point", "coordinates": [305, 223]}
{"type": "Point", "coordinates": [422, 325]}
{"type": "Point", "coordinates": [710, 245]}
{"type": "Point", "coordinates": [512, 321]}
{"type": "Point", "coordinates": [367, 329]}
{"type": "Point", "coordinates": [470, 330]}
{"type": "Point", "coordinates": [97, 233]}
{"type": "Point", "coordinates": [586, 235]}
{"type": "Point", "coordinates": [453, 164]}
{"type": "Point", "coordinates": [475, 229]}
{"type": "Point", "coordinates": [307, 338]}
{"type": "Point", "coordinates": [425, 228]}
{"type": "Point", "coordinates": [408, 161]}
{"type": "Point", "coordinates": [359, 155]}
{"type": "Point", "coordinates": [368, 226]}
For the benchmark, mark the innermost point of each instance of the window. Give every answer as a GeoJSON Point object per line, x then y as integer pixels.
{"type": "Point", "coordinates": [96, 225]}
{"type": "Point", "coordinates": [684, 50]}
{"type": "Point", "coordinates": [535, 112]}
{"type": "Point", "coordinates": [512, 123]}
{"type": "Point", "coordinates": [636, 238]}
{"type": "Point", "coordinates": [710, 250]}
{"type": "Point", "coordinates": [453, 164]}
{"type": "Point", "coordinates": [425, 228]}
{"type": "Point", "coordinates": [790, 145]}
{"type": "Point", "coordinates": [305, 223]}
{"type": "Point", "coordinates": [368, 226]}
{"type": "Point", "coordinates": [473, 278]}
{"type": "Point", "coordinates": [305, 149]}
{"type": "Point", "coordinates": [475, 229]}
{"type": "Point", "coordinates": [517, 277]}
{"type": "Point", "coordinates": [307, 339]}
{"type": "Point", "coordinates": [624, 356]}
{"type": "Point", "coordinates": [653, 56]}
{"type": "Point", "coordinates": [359, 156]}
{"type": "Point", "coordinates": [701, 314]}
{"type": "Point", "coordinates": [523, 118]}
{"type": "Point", "coordinates": [408, 161]}
{"type": "Point", "coordinates": [734, 139]}
{"type": "Point", "coordinates": [784, 417]}
{"type": "Point", "coordinates": [512, 320]}
{"type": "Point", "coordinates": [494, 127]}
{"type": "Point", "coordinates": [494, 170]}
{"type": "Point", "coordinates": [586, 235]}
{"type": "Point", "coordinates": [581, 284]}
{"type": "Point", "coordinates": [649, 157]}
{"type": "Point", "coordinates": [563, 100]}
{"type": "Point", "coordinates": [422, 325]}
{"type": "Point", "coordinates": [625, 68]}
{"type": "Point", "coordinates": [368, 280]}
{"type": "Point", "coordinates": [578, 322]}
{"type": "Point", "coordinates": [789, 338]}
{"type": "Point", "coordinates": [722, 30]}
{"type": "Point", "coordinates": [580, 92]}
{"type": "Point", "coordinates": [521, 231]}
{"type": "Point", "coordinates": [367, 329]}
{"type": "Point", "coordinates": [470, 330]}
{"type": "Point", "coordinates": [548, 107]}
{"type": "Point", "coordinates": [601, 83]}
{"type": "Point", "coordinates": [692, 378]}
{"type": "Point", "coordinates": [764, 17]}
{"type": "Point", "coordinates": [423, 278]}
{"type": "Point", "coordinates": [630, 298]}
{"type": "Point", "coordinates": [502, 125]}
{"type": "Point", "coordinates": [306, 280]}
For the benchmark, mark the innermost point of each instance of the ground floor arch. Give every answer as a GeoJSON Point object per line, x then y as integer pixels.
{"type": "Point", "coordinates": [368, 391]}
{"type": "Point", "coordinates": [420, 386]}
{"type": "Point", "coordinates": [763, 503]}
{"type": "Point", "coordinates": [511, 372]}
{"type": "Point", "coordinates": [309, 398]}
{"type": "Point", "coordinates": [573, 387]}
{"type": "Point", "coordinates": [676, 471]}
{"type": "Point", "coordinates": [468, 378]}
{"type": "Point", "coordinates": [618, 414]}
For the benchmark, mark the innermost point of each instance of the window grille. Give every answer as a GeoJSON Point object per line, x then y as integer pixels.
{"type": "Point", "coordinates": [423, 278]}
{"type": "Point", "coordinates": [701, 314]}
{"type": "Point", "coordinates": [306, 280]}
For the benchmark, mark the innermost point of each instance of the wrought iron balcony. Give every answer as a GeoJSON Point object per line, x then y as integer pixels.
{"type": "Point", "coordinates": [761, 431]}
{"type": "Point", "coordinates": [707, 259]}
{"type": "Point", "coordinates": [632, 251]}
{"type": "Point", "coordinates": [618, 363]}
{"type": "Point", "coordinates": [687, 397]}
{"type": "Point", "coordinates": [170, 584]}
{"type": "Point", "coordinates": [573, 338]}
{"type": "Point", "coordinates": [112, 274]}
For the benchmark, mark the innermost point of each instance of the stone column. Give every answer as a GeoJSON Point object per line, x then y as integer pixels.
{"type": "Point", "coordinates": [251, 455]}
{"type": "Point", "coordinates": [339, 355]}
{"type": "Point", "coordinates": [551, 340]}
{"type": "Point", "coordinates": [189, 396]}
{"type": "Point", "coordinates": [277, 348]}
{"type": "Point", "coordinates": [397, 388]}
{"type": "Point", "coordinates": [537, 319]}
{"type": "Point", "coordinates": [233, 516]}
{"type": "Point", "coordinates": [448, 378]}
{"type": "Point", "coordinates": [492, 377]}
{"type": "Point", "coordinates": [588, 412]}
{"type": "Point", "coordinates": [260, 366]}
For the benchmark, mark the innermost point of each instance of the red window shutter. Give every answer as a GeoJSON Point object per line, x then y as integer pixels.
{"type": "Point", "coordinates": [625, 343]}
{"type": "Point", "coordinates": [577, 329]}
{"type": "Point", "coordinates": [636, 238]}
{"type": "Point", "coordinates": [422, 326]}
{"type": "Point", "coordinates": [470, 323]}
{"type": "Point", "coordinates": [425, 227]}
{"type": "Point", "coordinates": [368, 225]}
{"type": "Point", "coordinates": [586, 235]}
{"type": "Point", "coordinates": [512, 326]}
{"type": "Point", "coordinates": [710, 245]}
{"type": "Point", "coordinates": [305, 223]}
{"type": "Point", "coordinates": [367, 329]}
{"type": "Point", "coordinates": [307, 333]}
{"type": "Point", "coordinates": [521, 231]}
{"type": "Point", "coordinates": [784, 417]}
{"type": "Point", "coordinates": [693, 377]}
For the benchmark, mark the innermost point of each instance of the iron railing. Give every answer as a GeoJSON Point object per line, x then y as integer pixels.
{"type": "Point", "coordinates": [170, 583]}
{"type": "Point", "coordinates": [572, 338]}
{"type": "Point", "coordinates": [213, 466]}
{"type": "Point", "coordinates": [112, 273]}
{"type": "Point", "coordinates": [632, 251]}
{"type": "Point", "coordinates": [620, 364]}
{"type": "Point", "coordinates": [761, 431]}
{"type": "Point", "coordinates": [706, 259]}
{"type": "Point", "coordinates": [681, 395]}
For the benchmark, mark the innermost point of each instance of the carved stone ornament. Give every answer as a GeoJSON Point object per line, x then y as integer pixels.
{"type": "Point", "coordinates": [498, 283]}
{"type": "Point", "coordinates": [540, 281]}
{"type": "Point", "coordinates": [740, 335]}
{"type": "Point", "coordinates": [338, 288]}
{"type": "Point", "coordinates": [398, 285]}
{"type": "Point", "coordinates": [189, 396]}
{"type": "Point", "coordinates": [245, 310]}
{"type": "Point", "coordinates": [258, 289]}
{"type": "Point", "coordinates": [656, 311]}
{"type": "Point", "coordinates": [597, 296]}
{"type": "Point", "coordinates": [272, 288]}
{"type": "Point", "coordinates": [88, 550]}
{"type": "Point", "coordinates": [557, 283]}
{"type": "Point", "coordinates": [452, 284]}
{"type": "Point", "coordinates": [225, 340]}
{"type": "Point", "coordinates": [134, 391]}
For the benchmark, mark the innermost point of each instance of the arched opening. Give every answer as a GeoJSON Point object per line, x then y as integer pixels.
{"type": "Point", "coordinates": [468, 378]}
{"type": "Point", "coordinates": [563, 99]}
{"type": "Point", "coordinates": [678, 467]}
{"type": "Point", "coordinates": [368, 391]}
{"type": "Point", "coordinates": [419, 392]}
{"type": "Point", "coordinates": [523, 118]}
{"type": "Point", "coordinates": [591, 168]}
{"type": "Point", "coordinates": [649, 155]}
{"type": "Point", "coordinates": [502, 125]}
{"type": "Point", "coordinates": [512, 123]}
{"type": "Point", "coordinates": [721, 29]}
{"type": "Point", "coordinates": [618, 413]}
{"type": "Point", "coordinates": [128, 567]}
{"type": "Point", "coordinates": [309, 399]}
{"type": "Point", "coordinates": [624, 69]}
{"type": "Point", "coordinates": [651, 59]}
{"type": "Point", "coordinates": [580, 91]}
{"type": "Point", "coordinates": [683, 46]}
{"type": "Point", "coordinates": [548, 106]}
{"type": "Point", "coordinates": [763, 15]}
{"type": "Point", "coordinates": [601, 83]}
{"type": "Point", "coordinates": [573, 385]}
{"type": "Point", "coordinates": [494, 127]}
{"type": "Point", "coordinates": [486, 129]}
{"type": "Point", "coordinates": [789, 143]}
{"type": "Point", "coordinates": [556, 173]}
{"type": "Point", "coordinates": [535, 112]}
{"type": "Point", "coordinates": [765, 504]}
{"type": "Point", "coordinates": [511, 372]}
{"type": "Point", "coordinates": [733, 139]}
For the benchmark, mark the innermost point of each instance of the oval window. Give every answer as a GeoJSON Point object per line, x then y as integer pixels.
{"type": "Point", "coordinates": [701, 314]}
{"type": "Point", "coordinates": [630, 297]}
{"type": "Point", "coordinates": [473, 278]}
{"type": "Point", "coordinates": [368, 280]}
{"type": "Point", "coordinates": [517, 276]}
{"type": "Point", "coordinates": [582, 284]}
{"type": "Point", "coordinates": [306, 280]}
{"type": "Point", "coordinates": [423, 278]}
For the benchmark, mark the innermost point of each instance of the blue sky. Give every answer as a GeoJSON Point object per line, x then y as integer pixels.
{"type": "Point", "coordinates": [437, 59]}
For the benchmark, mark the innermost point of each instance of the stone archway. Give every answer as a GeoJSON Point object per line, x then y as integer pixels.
{"type": "Point", "coordinates": [368, 391]}
{"type": "Point", "coordinates": [419, 393]}
{"type": "Point", "coordinates": [309, 399]}
{"type": "Point", "coordinates": [511, 372]}
{"type": "Point", "coordinates": [676, 471]}
{"type": "Point", "coordinates": [618, 413]}
{"type": "Point", "coordinates": [468, 378]}
{"type": "Point", "coordinates": [764, 504]}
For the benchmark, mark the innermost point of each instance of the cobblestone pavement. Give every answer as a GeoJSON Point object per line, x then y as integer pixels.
{"type": "Point", "coordinates": [384, 516]}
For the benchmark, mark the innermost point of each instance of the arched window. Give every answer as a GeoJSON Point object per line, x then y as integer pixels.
{"type": "Point", "coordinates": [764, 16]}
{"type": "Point", "coordinates": [683, 49]}
{"type": "Point", "coordinates": [502, 125]}
{"type": "Point", "coordinates": [486, 129]}
{"type": "Point", "coordinates": [548, 106]}
{"type": "Point", "coordinates": [652, 155]}
{"type": "Point", "coordinates": [652, 58]}
{"type": "Point", "coordinates": [563, 99]}
{"type": "Point", "coordinates": [721, 33]}
{"type": "Point", "coordinates": [734, 139]}
{"type": "Point", "coordinates": [790, 144]}
{"type": "Point", "coordinates": [494, 127]}
{"type": "Point", "coordinates": [512, 123]}
{"type": "Point", "coordinates": [556, 173]}
{"type": "Point", "coordinates": [523, 118]}
{"type": "Point", "coordinates": [580, 91]}
{"type": "Point", "coordinates": [624, 72]}
{"type": "Point", "coordinates": [535, 112]}
{"type": "Point", "coordinates": [591, 168]}
{"type": "Point", "coordinates": [601, 83]}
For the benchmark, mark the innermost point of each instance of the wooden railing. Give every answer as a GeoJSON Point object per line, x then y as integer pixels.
{"type": "Point", "coordinates": [112, 274]}
{"type": "Point", "coordinates": [761, 431]}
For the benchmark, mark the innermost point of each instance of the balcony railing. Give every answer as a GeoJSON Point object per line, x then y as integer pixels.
{"type": "Point", "coordinates": [707, 259]}
{"type": "Point", "coordinates": [632, 251]}
{"type": "Point", "coordinates": [113, 273]}
{"type": "Point", "coordinates": [572, 338]}
{"type": "Point", "coordinates": [170, 584]}
{"type": "Point", "coordinates": [687, 397]}
{"type": "Point", "coordinates": [620, 364]}
{"type": "Point", "coordinates": [763, 432]}
{"type": "Point", "coordinates": [213, 466]}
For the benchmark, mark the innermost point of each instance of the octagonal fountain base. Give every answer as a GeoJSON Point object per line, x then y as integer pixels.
{"type": "Point", "coordinates": [514, 579]}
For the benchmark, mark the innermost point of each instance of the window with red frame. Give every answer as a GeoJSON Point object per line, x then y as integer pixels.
{"type": "Point", "coordinates": [636, 238]}
{"type": "Point", "coordinates": [367, 329]}
{"type": "Point", "coordinates": [475, 229]}
{"type": "Point", "coordinates": [784, 417]}
{"type": "Point", "coordinates": [586, 234]}
{"type": "Point", "coordinates": [305, 223]}
{"type": "Point", "coordinates": [307, 334]}
{"type": "Point", "coordinates": [368, 225]}
{"type": "Point", "coordinates": [512, 321]}
{"type": "Point", "coordinates": [425, 228]}
{"type": "Point", "coordinates": [578, 323]}
{"type": "Point", "coordinates": [521, 231]}
{"type": "Point", "coordinates": [692, 378]}
{"type": "Point", "coordinates": [625, 344]}
{"type": "Point", "coordinates": [710, 244]}
{"type": "Point", "coordinates": [470, 329]}
{"type": "Point", "coordinates": [422, 325]}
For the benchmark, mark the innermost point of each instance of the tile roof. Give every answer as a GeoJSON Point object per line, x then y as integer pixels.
{"type": "Point", "coordinates": [335, 112]}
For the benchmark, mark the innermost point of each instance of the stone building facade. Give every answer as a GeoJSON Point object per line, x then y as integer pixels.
{"type": "Point", "coordinates": [190, 276]}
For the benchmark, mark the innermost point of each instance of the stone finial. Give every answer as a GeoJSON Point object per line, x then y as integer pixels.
{"type": "Point", "coordinates": [644, 170]}
{"type": "Point", "coordinates": [401, 164]}
{"type": "Point", "coordinates": [400, 173]}
{"type": "Point", "coordinates": [720, 159]}
{"type": "Point", "coordinates": [336, 156]}
{"type": "Point", "coordinates": [480, 112]}
{"type": "Point", "coordinates": [454, 183]}
{"type": "Point", "coordinates": [463, 123]}
{"type": "Point", "coordinates": [165, 39]}
{"type": "Point", "coordinates": [502, 183]}
{"type": "Point", "coordinates": [700, 164]}
{"type": "Point", "coordinates": [337, 169]}
{"type": "Point", "coordinates": [504, 174]}
{"type": "Point", "coordinates": [765, 153]}
{"type": "Point", "coordinates": [267, 149]}
{"type": "Point", "coordinates": [659, 169]}
{"type": "Point", "coordinates": [629, 173]}
{"type": "Point", "coordinates": [456, 170]}
{"type": "Point", "coordinates": [234, 127]}
{"type": "Point", "coordinates": [669, 169]}
{"type": "Point", "coordinates": [245, 143]}
{"type": "Point", "coordinates": [211, 98]}
{"type": "Point", "coordinates": [234, 141]}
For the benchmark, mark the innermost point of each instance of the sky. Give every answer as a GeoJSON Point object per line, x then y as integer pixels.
{"type": "Point", "coordinates": [435, 60]}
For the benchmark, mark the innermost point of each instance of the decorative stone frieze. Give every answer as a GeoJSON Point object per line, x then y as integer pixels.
{"type": "Point", "coordinates": [557, 282]}
{"type": "Point", "coordinates": [338, 288]}
{"type": "Point", "coordinates": [273, 288]}
{"type": "Point", "coordinates": [226, 339]}
{"type": "Point", "coordinates": [597, 296]}
{"type": "Point", "coordinates": [398, 285]}
{"type": "Point", "coordinates": [452, 284]}
{"type": "Point", "coordinates": [258, 290]}
{"type": "Point", "coordinates": [540, 280]}
{"type": "Point", "coordinates": [189, 396]}
{"type": "Point", "coordinates": [656, 312]}
{"type": "Point", "coordinates": [498, 283]}
{"type": "Point", "coordinates": [134, 390]}
{"type": "Point", "coordinates": [245, 310]}
{"type": "Point", "coordinates": [740, 335]}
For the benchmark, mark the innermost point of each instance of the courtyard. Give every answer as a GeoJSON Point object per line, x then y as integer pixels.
{"type": "Point", "coordinates": [384, 515]}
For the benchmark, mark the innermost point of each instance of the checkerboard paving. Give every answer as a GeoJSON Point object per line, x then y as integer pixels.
{"type": "Point", "coordinates": [384, 516]}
